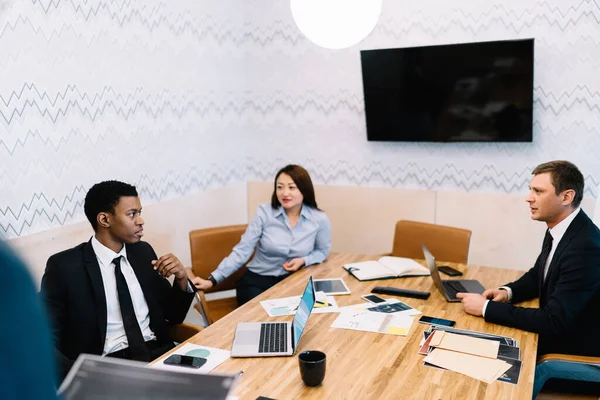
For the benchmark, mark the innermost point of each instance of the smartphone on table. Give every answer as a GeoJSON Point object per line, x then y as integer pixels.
{"type": "Point", "coordinates": [371, 298]}
{"type": "Point", "coordinates": [185, 361]}
{"type": "Point", "coordinates": [444, 269]}
{"type": "Point", "coordinates": [436, 321]}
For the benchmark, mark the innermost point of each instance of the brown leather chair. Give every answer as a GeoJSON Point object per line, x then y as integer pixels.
{"type": "Point", "coordinates": [182, 332]}
{"type": "Point", "coordinates": [445, 242]}
{"type": "Point", "coordinates": [209, 247]}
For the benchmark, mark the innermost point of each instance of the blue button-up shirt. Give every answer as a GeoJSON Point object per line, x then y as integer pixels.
{"type": "Point", "coordinates": [276, 242]}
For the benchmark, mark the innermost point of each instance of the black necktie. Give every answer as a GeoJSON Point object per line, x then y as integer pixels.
{"type": "Point", "coordinates": [137, 345]}
{"type": "Point", "coordinates": [546, 247]}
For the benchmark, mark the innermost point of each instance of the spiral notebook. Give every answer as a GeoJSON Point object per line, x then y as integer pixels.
{"type": "Point", "coordinates": [387, 267]}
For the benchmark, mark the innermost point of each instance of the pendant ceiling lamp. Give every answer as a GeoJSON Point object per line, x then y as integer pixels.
{"type": "Point", "coordinates": [336, 24]}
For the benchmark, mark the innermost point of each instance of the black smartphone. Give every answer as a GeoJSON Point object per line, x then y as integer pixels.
{"type": "Point", "coordinates": [444, 269]}
{"type": "Point", "coordinates": [371, 298]}
{"type": "Point", "coordinates": [185, 361]}
{"type": "Point", "coordinates": [436, 321]}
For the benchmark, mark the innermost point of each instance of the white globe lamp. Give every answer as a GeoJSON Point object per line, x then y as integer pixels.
{"type": "Point", "coordinates": [336, 24]}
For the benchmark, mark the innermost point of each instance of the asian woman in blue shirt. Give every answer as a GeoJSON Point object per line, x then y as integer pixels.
{"type": "Point", "coordinates": [288, 234]}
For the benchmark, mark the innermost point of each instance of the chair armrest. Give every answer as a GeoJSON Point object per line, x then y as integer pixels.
{"type": "Point", "coordinates": [202, 307]}
{"type": "Point", "coordinates": [182, 332]}
{"type": "Point", "coordinates": [569, 358]}
{"type": "Point", "coordinates": [190, 273]}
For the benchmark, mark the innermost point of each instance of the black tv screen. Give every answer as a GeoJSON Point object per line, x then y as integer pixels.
{"type": "Point", "coordinates": [471, 92]}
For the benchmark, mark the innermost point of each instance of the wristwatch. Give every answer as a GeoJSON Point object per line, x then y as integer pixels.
{"type": "Point", "coordinates": [212, 279]}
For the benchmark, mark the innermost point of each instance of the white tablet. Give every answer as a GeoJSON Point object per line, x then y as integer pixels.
{"type": "Point", "coordinates": [331, 286]}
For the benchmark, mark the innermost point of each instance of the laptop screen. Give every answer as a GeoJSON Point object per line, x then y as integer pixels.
{"type": "Point", "coordinates": [435, 275]}
{"type": "Point", "coordinates": [307, 302]}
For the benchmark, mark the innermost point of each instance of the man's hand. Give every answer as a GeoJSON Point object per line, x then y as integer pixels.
{"type": "Point", "coordinates": [168, 265]}
{"type": "Point", "coordinates": [498, 295]}
{"type": "Point", "coordinates": [472, 302]}
{"type": "Point", "coordinates": [201, 284]}
{"type": "Point", "coordinates": [293, 265]}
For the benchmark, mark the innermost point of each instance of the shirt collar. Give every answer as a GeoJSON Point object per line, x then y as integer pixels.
{"type": "Point", "coordinates": [559, 230]}
{"type": "Point", "coordinates": [304, 211]}
{"type": "Point", "coordinates": [104, 254]}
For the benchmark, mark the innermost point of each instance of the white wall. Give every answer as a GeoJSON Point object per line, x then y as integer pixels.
{"type": "Point", "coordinates": [140, 91]}
{"type": "Point", "coordinates": [167, 226]}
{"type": "Point", "coordinates": [311, 100]}
{"type": "Point", "coordinates": [181, 97]}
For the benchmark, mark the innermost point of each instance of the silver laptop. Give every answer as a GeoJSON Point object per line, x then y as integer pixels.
{"type": "Point", "coordinates": [271, 339]}
{"type": "Point", "coordinates": [449, 288]}
{"type": "Point", "coordinates": [96, 377]}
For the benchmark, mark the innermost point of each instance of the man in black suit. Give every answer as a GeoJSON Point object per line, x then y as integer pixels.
{"type": "Point", "coordinates": [565, 277]}
{"type": "Point", "coordinates": [110, 296]}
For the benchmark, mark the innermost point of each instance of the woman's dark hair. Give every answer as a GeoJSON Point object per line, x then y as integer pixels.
{"type": "Point", "coordinates": [303, 182]}
{"type": "Point", "coordinates": [103, 197]}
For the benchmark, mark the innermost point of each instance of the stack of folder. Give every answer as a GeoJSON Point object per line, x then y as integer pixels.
{"type": "Point", "coordinates": [476, 354]}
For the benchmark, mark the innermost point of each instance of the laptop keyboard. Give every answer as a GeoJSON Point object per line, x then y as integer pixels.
{"type": "Point", "coordinates": [453, 287]}
{"type": "Point", "coordinates": [273, 338]}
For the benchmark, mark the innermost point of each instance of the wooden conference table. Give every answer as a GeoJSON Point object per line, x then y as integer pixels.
{"type": "Point", "coordinates": [365, 365]}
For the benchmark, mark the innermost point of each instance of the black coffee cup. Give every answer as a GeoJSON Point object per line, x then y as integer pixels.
{"type": "Point", "coordinates": [312, 367]}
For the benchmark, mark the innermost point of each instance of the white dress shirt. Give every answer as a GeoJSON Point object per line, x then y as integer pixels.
{"type": "Point", "coordinates": [116, 339]}
{"type": "Point", "coordinates": [557, 234]}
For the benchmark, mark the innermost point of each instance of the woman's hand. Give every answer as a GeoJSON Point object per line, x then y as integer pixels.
{"type": "Point", "coordinates": [293, 265]}
{"type": "Point", "coordinates": [201, 284]}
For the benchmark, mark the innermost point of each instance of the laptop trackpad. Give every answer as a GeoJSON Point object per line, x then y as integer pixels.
{"type": "Point", "coordinates": [473, 286]}
{"type": "Point", "coordinates": [247, 337]}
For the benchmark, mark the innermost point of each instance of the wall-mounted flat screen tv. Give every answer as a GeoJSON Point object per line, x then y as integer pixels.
{"type": "Point", "coordinates": [469, 92]}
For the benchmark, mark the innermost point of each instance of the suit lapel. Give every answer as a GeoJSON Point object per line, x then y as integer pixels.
{"type": "Point", "coordinates": [571, 232]}
{"type": "Point", "coordinates": [93, 269]}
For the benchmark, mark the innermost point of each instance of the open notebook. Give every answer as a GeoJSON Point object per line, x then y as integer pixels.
{"type": "Point", "coordinates": [386, 268]}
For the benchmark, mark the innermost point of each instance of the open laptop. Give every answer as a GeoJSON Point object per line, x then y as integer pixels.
{"type": "Point", "coordinates": [96, 377]}
{"type": "Point", "coordinates": [449, 288]}
{"type": "Point", "coordinates": [271, 339]}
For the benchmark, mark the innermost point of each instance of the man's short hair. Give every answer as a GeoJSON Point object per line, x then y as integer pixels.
{"type": "Point", "coordinates": [103, 197]}
{"type": "Point", "coordinates": [564, 176]}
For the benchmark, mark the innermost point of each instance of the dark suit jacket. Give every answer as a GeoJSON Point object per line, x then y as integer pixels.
{"type": "Point", "coordinates": [73, 289]}
{"type": "Point", "coordinates": [567, 320]}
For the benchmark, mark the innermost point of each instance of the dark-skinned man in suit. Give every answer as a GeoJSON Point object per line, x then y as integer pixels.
{"type": "Point", "coordinates": [110, 296]}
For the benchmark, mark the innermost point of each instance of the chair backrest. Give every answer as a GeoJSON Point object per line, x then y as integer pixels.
{"type": "Point", "coordinates": [446, 243]}
{"type": "Point", "coordinates": [210, 246]}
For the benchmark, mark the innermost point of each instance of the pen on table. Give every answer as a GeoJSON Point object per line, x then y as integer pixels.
{"type": "Point", "coordinates": [239, 373]}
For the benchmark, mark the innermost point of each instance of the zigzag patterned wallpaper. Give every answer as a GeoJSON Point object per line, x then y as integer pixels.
{"type": "Point", "coordinates": [180, 96]}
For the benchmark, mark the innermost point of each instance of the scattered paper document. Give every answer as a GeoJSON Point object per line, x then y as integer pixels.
{"type": "Point", "coordinates": [325, 304]}
{"type": "Point", "coordinates": [512, 375]}
{"type": "Point", "coordinates": [465, 344]}
{"type": "Point", "coordinates": [364, 320]}
{"type": "Point", "coordinates": [408, 310]}
{"type": "Point", "coordinates": [502, 339]}
{"type": "Point", "coordinates": [280, 307]}
{"type": "Point", "coordinates": [481, 368]}
{"type": "Point", "coordinates": [214, 357]}
{"type": "Point", "coordinates": [289, 305]}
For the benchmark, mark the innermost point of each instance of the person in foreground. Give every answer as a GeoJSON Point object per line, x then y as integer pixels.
{"type": "Point", "coordinates": [27, 363]}
{"type": "Point", "coordinates": [565, 277]}
{"type": "Point", "coordinates": [288, 234]}
{"type": "Point", "coordinates": [110, 296]}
